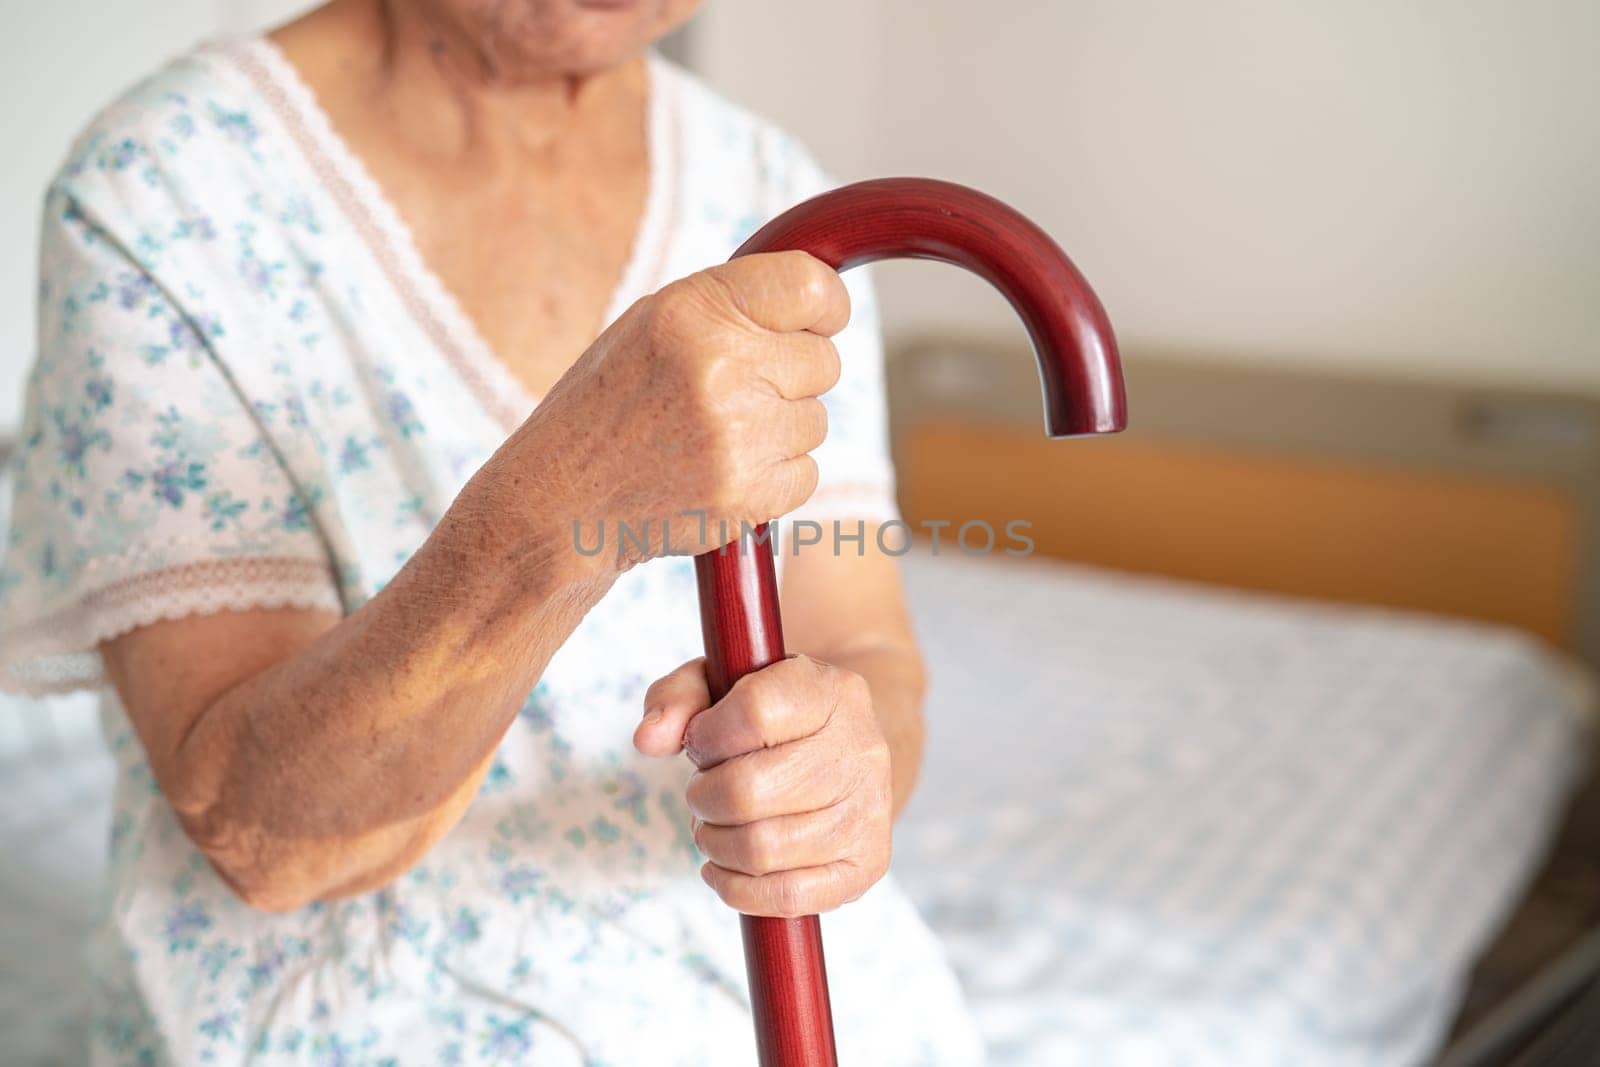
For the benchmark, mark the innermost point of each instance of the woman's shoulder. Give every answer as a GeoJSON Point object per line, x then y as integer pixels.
{"type": "Point", "coordinates": [196, 117]}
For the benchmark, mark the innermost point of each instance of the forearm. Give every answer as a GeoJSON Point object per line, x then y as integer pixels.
{"type": "Point", "coordinates": [343, 762]}
{"type": "Point", "coordinates": [288, 873]}
{"type": "Point", "coordinates": [288, 740]}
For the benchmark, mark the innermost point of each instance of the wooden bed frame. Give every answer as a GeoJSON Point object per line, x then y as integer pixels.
{"type": "Point", "coordinates": [1470, 501]}
{"type": "Point", "coordinates": [1466, 500]}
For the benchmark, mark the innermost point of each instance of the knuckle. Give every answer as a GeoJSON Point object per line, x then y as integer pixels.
{"type": "Point", "coordinates": [722, 285]}
{"type": "Point", "coordinates": [798, 662]}
{"type": "Point", "coordinates": [851, 687]}
{"type": "Point", "coordinates": [818, 282]}
{"type": "Point", "coordinates": [714, 377]}
{"type": "Point", "coordinates": [881, 785]}
{"type": "Point", "coordinates": [815, 670]}
{"type": "Point", "coordinates": [743, 795]}
{"type": "Point", "coordinates": [832, 364]}
{"type": "Point", "coordinates": [723, 458]}
{"type": "Point", "coordinates": [877, 850]}
{"type": "Point", "coordinates": [789, 898]}
{"type": "Point", "coordinates": [764, 706]}
{"type": "Point", "coordinates": [767, 717]}
{"type": "Point", "coordinates": [876, 758]}
{"type": "Point", "coordinates": [816, 422]}
{"type": "Point", "coordinates": [764, 848]}
{"type": "Point", "coordinates": [814, 673]}
{"type": "Point", "coordinates": [867, 783]}
{"type": "Point", "coordinates": [658, 691]}
{"type": "Point", "coordinates": [758, 685]}
{"type": "Point", "coordinates": [721, 480]}
{"type": "Point", "coordinates": [699, 794]}
{"type": "Point", "coordinates": [728, 890]}
{"type": "Point", "coordinates": [813, 287]}
{"type": "Point", "coordinates": [664, 319]}
{"type": "Point", "coordinates": [799, 482]}
{"type": "Point", "coordinates": [854, 884]}
{"type": "Point", "coordinates": [881, 864]}
{"type": "Point", "coordinates": [852, 699]}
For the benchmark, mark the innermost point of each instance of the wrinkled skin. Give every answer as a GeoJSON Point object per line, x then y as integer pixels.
{"type": "Point", "coordinates": [697, 409]}
{"type": "Point", "coordinates": [793, 797]}
{"type": "Point", "coordinates": [703, 395]}
{"type": "Point", "coordinates": [521, 39]}
{"type": "Point", "coordinates": [312, 756]}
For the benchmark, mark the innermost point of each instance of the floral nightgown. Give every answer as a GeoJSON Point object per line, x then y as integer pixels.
{"type": "Point", "coordinates": [250, 392]}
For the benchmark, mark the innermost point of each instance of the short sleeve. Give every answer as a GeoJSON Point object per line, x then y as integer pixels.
{"type": "Point", "coordinates": [855, 472]}
{"type": "Point", "coordinates": [143, 488]}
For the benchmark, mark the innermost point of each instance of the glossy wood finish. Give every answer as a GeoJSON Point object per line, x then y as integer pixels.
{"type": "Point", "coordinates": [918, 218]}
{"type": "Point", "coordinates": [1083, 394]}
{"type": "Point", "coordinates": [788, 990]}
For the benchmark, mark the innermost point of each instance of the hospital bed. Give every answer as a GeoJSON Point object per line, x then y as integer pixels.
{"type": "Point", "coordinates": [1222, 828]}
{"type": "Point", "coordinates": [1224, 865]}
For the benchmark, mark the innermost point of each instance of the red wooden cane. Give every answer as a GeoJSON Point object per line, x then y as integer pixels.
{"type": "Point", "coordinates": [1082, 379]}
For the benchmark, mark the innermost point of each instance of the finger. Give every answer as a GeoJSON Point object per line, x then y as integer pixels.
{"type": "Point", "coordinates": [799, 426]}
{"type": "Point", "coordinates": [788, 484]}
{"type": "Point", "coordinates": [784, 291]}
{"type": "Point", "coordinates": [789, 894]}
{"type": "Point", "coordinates": [799, 777]}
{"type": "Point", "coordinates": [802, 365]}
{"type": "Point", "coordinates": [669, 705]}
{"type": "Point", "coordinates": [787, 842]}
{"type": "Point", "coordinates": [786, 701]}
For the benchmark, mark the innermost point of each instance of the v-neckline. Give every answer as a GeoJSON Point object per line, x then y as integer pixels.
{"type": "Point", "coordinates": [380, 226]}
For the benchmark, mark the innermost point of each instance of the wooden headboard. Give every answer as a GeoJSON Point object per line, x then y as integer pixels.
{"type": "Point", "coordinates": [1466, 501]}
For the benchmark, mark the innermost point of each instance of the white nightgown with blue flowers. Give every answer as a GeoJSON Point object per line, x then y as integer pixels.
{"type": "Point", "coordinates": [250, 392]}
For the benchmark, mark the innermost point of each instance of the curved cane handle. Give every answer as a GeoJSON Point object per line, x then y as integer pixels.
{"type": "Point", "coordinates": [1081, 375]}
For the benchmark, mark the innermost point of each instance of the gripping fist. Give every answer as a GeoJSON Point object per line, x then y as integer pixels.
{"type": "Point", "coordinates": [694, 412]}
{"type": "Point", "coordinates": [792, 802]}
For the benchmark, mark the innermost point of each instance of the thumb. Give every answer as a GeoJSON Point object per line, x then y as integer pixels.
{"type": "Point", "coordinates": [669, 704]}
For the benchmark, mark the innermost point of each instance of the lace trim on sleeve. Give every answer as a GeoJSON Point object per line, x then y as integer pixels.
{"type": "Point", "coordinates": [58, 652]}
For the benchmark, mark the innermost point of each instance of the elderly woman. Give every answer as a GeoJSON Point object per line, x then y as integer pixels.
{"type": "Point", "coordinates": [317, 450]}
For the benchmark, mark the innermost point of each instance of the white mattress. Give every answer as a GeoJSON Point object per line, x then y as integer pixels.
{"type": "Point", "coordinates": [1163, 824]}
{"type": "Point", "coordinates": [1156, 824]}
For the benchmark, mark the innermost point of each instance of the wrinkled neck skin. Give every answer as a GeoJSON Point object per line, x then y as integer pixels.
{"type": "Point", "coordinates": [459, 92]}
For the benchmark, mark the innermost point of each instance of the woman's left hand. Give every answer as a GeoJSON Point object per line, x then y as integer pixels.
{"type": "Point", "coordinates": [792, 802]}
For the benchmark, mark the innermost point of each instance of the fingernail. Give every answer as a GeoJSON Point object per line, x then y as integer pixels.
{"type": "Point", "coordinates": [653, 716]}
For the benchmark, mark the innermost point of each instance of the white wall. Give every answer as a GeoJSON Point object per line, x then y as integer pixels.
{"type": "Point", "coordinates": [1400, 183]}
{"type": "Point", "coordinates": [1411, 184]}
{"type": "Point", "coordinates": [60, 62]}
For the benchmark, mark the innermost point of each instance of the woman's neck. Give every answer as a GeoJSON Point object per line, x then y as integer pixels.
{"type": "Point", "coordinates": [453, 99]}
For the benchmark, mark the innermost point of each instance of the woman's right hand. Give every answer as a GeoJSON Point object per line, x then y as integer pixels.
{"type": "Point", "coordinates": [310, 756]}
{"type": "Point", "coordinates": [694, 412]}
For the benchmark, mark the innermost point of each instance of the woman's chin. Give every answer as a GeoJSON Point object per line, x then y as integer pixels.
{"type": "Point", "coordinates": [582, 37]}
